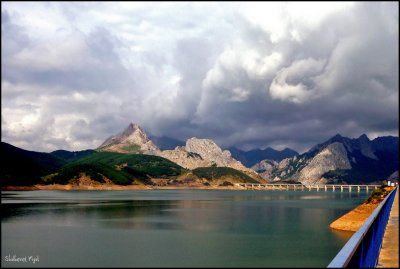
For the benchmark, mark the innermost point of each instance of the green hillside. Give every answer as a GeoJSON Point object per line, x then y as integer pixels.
{"type": "Point", "coordinates": [120, 168]}
{"type": "Point", "coordinates": [23, 167]}
{"type": "Point", "coordinates": [96, 171]}
{"type": "Point", "coordinates": [70, 156]}
{"type": "Point", "coordinates": [214, 173]}
{"type": "Point", "coordinates": [27, 168]}
{"type": "Point", "coordinates": [153, 166]}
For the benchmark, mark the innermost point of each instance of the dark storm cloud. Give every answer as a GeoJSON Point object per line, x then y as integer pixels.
{"type": "Point", "coordinates": [350, 86]}
{"type": "Point", "coordinates": [248, 75]}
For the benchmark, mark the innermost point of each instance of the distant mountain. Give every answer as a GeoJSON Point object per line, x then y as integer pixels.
{"type": "Point", "coordinates": [132, 140]}
{"type": "Point", "coordinates": [195, 153]}
{"type": "Point", "coordinates": [341, 160]}
{"type": "Point", "coordinates": [165, 142]}
{"type": "Point", "coordinates": [202, 153]}
{"type": "Point", "coordinates": [23, 167]}
{"type": "Point", "coordinates": [90, 168]}
{"type": "Point", "coordinates": [337, 160]}
{"type": "Point", "coordinates": [252, 157]}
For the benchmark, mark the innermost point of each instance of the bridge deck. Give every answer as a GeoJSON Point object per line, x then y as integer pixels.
{"type": "Point", "coordinates": [389, 254]}
{"type": "Point", "coordinates": [283, 186]}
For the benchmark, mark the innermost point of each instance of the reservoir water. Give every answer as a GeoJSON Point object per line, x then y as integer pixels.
{"type": "Point", "coordinates": [172, 228]}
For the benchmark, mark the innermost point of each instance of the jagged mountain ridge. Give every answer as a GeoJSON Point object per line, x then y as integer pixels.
{"type": "Point", "coordinates": [340, 159]}
{"type": "Point", "coordinates": [202, 153]}
{"type": "Point", "coordinates": [252, 157]}
{"type": "Point", "coordinates": [196, 153]}
{"type": "Point", "coordinates": [337, 160]}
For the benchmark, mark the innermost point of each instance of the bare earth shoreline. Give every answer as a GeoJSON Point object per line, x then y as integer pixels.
{"type": "Point", "coordinates": [354, 219]}
{"type": "Point", "coordinates": [112, 187]}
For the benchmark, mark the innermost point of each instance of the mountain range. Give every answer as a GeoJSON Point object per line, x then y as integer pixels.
{"type": "Point", "coordinates": [131, 157]}
{"type": "Point", "coordinates": [252, 157]}
{"type": "Point", "coordinates": [338, 160]}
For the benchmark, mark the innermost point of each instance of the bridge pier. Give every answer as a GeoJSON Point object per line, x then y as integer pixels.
{"type": "Point", "coordinates": [254, 186]}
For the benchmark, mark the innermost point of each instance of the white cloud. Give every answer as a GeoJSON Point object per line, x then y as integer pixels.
{"type": "Point", "coordinates": [290, 20]}
{"type": "Point", "coordinates": [239, 95]}
{"type": "Point", "coordinates": [297, 91]}
{"type": "Point", "coordinates": [63, 52]}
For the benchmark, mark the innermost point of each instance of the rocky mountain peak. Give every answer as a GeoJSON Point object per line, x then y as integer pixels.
{"type": "Point", "coordinates": [364, 137]}
{"type": "Point", "coordinates": [365, 147]}
{"type": "Point", "coordinates": [202, 146]}
{"type": "Point", "coordinates": [132, 139]}
{"type": "Point", "coordinates": [332, 157]}
{"type": "Point", "coordinates": [209, 150]}
{"type": "Point", "coordinates": [132, 127]}
{"type": "Point", "coordinates": [337, 137]}
{"type": "Point", "coordinates": [201, 153]}
{"type": "Point", "coordinates": [134, 134]}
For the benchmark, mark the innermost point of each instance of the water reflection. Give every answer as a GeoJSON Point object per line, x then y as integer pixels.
{"type": "Point", "coordinates": [212, 228]}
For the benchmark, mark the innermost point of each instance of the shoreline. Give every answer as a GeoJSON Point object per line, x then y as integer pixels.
{"type": "Point", "coordinates": [354, 219]}
{"type": "Point", "coordinates": [110, 187]}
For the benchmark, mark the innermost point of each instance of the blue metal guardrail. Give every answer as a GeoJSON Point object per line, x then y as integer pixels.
{"type": "Point", "coordinates": [362, 249]}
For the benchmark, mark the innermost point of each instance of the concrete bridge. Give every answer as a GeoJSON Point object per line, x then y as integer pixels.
{"type": "Point", "coordinates": [280, 186]}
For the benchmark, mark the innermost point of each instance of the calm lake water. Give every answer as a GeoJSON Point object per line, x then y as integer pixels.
{"type": "Point", "coordinates": [172, 228]}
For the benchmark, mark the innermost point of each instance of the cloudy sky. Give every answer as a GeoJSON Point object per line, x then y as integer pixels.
{"type": "Point", "coordinates": [246, 74]}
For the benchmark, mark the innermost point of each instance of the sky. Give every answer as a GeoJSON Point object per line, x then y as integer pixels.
{"type": "Point", "coordinates": [245, 74]}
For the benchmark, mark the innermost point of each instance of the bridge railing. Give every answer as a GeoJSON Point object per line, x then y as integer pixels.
{"type": "Point", "coordinates": [362, 249]}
